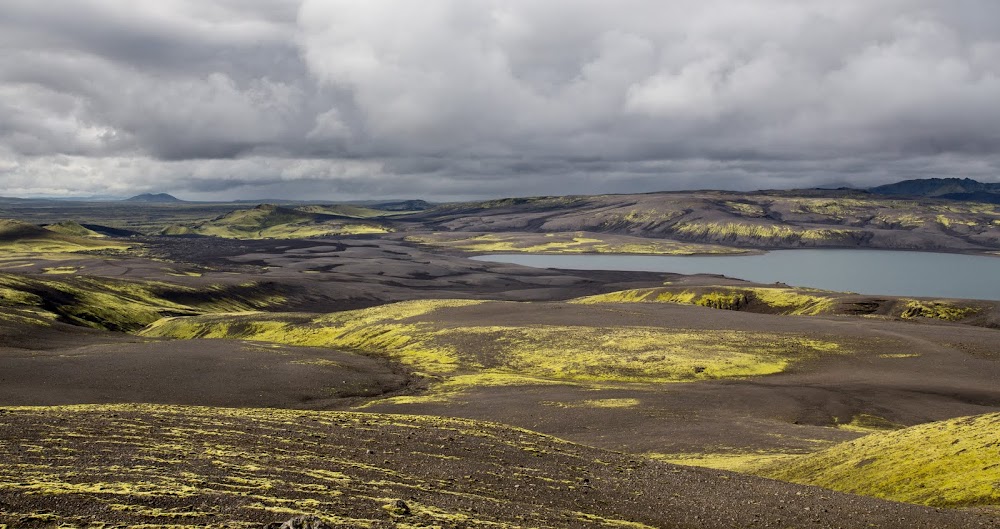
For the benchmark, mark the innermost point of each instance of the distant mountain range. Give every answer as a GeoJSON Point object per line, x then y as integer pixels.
{"type": "Point", "coordinates": [948, 188]}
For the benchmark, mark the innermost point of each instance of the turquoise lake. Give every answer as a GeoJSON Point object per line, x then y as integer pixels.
{"type": "Point", "coordinates": [878, 272]}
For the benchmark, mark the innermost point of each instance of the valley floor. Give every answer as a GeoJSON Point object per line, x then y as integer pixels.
{"type": "Point", "coordinates": [250, 381]}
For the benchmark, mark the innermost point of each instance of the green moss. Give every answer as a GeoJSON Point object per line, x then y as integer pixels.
{"type": "Point", "coordinates": [550, 352]}
{"type": "Point", "coordinates": [274, 222]}
{"type": "Point", "coordinates": [868, 423]}
{"type": "Point", "coordinates": [176, 466]}
{"type": "Point", "coordinates": [379, 330]}
{"type": "Point", "coordinates": [598, 403]}
{"type": "Point", "coordinates": [20, 237]}
{"type": "Point", "coordinates": [784, 300]}
{"type": "Point", "coordinates": [69, 227]}
{"type": "Point", "coordinates": [937, 310]}
{"type": "Point", "coordinates": [121, 305]}
{"type": "Point", "coordinates": [564, 242]}
{"type": "Point", "coordinates": [794, 302]}
{"type": "Point", "coordinates": [745, 208]}
{"type": "Point", "coordinates": [761, 233]}
{"type": "Point", "coordinates": [951, 463]}
{"type": "Point", "coordinates": [60, 270]}
{"type": "Point", "coordinates": [735, 462]}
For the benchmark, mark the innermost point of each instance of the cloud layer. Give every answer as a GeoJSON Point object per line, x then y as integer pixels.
{"type": "Point", "coordinates": [462, 98]}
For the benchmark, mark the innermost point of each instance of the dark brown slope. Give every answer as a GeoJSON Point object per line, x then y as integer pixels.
{"type": "Point", "coordinates": [61, 364]}
{"type": "Point", "coordinates": [242, 468]}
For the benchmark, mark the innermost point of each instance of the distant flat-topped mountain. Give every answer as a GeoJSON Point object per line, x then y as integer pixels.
{"type": "Point", "coordinates": [952, 188]}
{"type": "Point", "coordinates": [156, 198]}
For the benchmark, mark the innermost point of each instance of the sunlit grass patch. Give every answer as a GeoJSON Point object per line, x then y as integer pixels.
{"type": "Point", "coordinates": [408, 333]}
{"type": "Point", "coordinates": [950, 463]}
{"type": "Point", "coordinates": [768, 233]}
{"type": "Point", "coordinates": [565, 242]}
{"type": "Point", "coordinates": [867, 423]}
{"type": "Point", "coordinates": [122, 305]}
{"type": "Point", "coordinates": [60, 270]}
{"type": "Point", "coordinates": [940, 310]}
{"type": "Point", "coordinates": [598, 403]}
{"type": "Point", "coordinates": [276, 222]}
{"type": "Point", "coordinates": [736, 462]}
{"type": "Point", "coordinates": [784, 300]}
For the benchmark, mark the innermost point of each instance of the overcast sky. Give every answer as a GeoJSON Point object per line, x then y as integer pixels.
{"type": "Point", "coordinates": [445, 99]}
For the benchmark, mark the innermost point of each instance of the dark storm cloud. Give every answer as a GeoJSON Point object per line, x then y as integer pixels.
{"type": "Point", "coordinates": [464, 98]}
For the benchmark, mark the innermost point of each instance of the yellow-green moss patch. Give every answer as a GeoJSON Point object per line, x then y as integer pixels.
{"type": "Point", "coordinates": [950, 463]}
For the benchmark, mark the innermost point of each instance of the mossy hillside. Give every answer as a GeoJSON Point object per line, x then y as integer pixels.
{"type": "Point", "coordinates": [757, 299]}
{"type": "Point", "coordinates": [564, 242]}
{"type": "Point", "coordinates": [380, 330]}
{"type": "Point", "coordinates": [68, 227]}
{"type": "Point", "coordinates": [124, 305]}
{"type": "Point", "coordinates": [21, 237]}
{"type": "Point", "coordinates": [759, 220]}
{"type": "Point", "coordinates": [347, 210]}
{"type": "Point", "coordinates": [953, 463]}
{"type": "Point", "coordinates": [274, 222]}
{"type": "Point", "coordinates": [186, 467]}
{"type": "Point", "coordinates": [763, 234]}
{"type": "Point", "coordinates": [408, 332]}
{"type": "Point", "coordinates": [940, 310]}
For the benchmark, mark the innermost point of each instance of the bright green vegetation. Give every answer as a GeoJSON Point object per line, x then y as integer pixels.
{"type": "Point", "coordinates": [20, 237]}
{"type": "Point", "coordinates": [597, 403]}
{"type": "Point", "coordinates": [60, 270]}
{"type": "Point", "coordinates": [68, 227]}
{"type": "Point", "coordinates": [564, 242]}
{"type": "Point", "coordinates": [937, 310]}
{"type": "Point", "coordinates": [746, 208]}
{"type": "Point", "coordinates": [123, 305]}
{"type": "Point", "coordinates": [868, 423]}
{"type": "Point", "coordinates": [275, 222]}
{"type": "Point", "coordinates": [348, 210]}
{"type": "Point", "coordinates": [782, 300]}
{"type": "Point", "coordinates": [951, 463]}
{"type": "Point", "coordinates": [951, 222]}
{"type": "Point", "coordinates": [735, 462]}
{"type": "Point", "coordinates": [788, 301]}
{"type": "Point", "coordinates": [760, 233]}
{"type": "Point", "coordinates": [468, 356]}
{"type": "Point", "coordinates": [381, 330]}
{"type": "Point", "coordinates": [503, 203]}
{"type": "Point", "coordinates": [188, 467]}
{"type": "Point", "coordinates": [639, 217]}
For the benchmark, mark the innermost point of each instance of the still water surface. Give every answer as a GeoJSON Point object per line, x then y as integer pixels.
{"type": "Point", "coordinates": [880, 272]}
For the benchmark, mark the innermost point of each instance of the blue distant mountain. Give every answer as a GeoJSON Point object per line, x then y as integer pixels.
{"type": "Point", "coordinates": [950, 188]}
{"type": "Point", "coordinates": [155, 198]}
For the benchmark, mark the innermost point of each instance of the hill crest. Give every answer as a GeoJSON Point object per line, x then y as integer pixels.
{"type": "Point", "coordinates": [159, 198]}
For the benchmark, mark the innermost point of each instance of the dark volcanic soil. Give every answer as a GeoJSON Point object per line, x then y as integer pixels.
{"type": "Point", "coordinates": [196, 466]}
{"type": "Point", "coordinates": [242, 468]}
{"type": "Point", "coordinates": [69, 365]}
{"type": "Point", "coordinates": [905, 372]}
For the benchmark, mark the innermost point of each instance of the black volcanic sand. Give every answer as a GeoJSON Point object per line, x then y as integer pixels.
{"type": "Point", "coordinates": [325, 275]}
{"type": "Point", "coordinates": [68, 365]}
{"type": "Point", "coordinates": [904, 372]}
{"type": "Point", "coordinates": [189, 467]}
